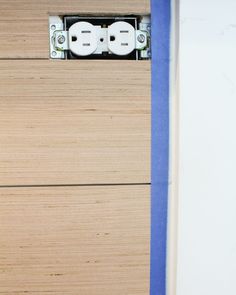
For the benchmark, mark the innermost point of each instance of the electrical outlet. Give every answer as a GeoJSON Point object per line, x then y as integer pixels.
{"type": "Point", "coordinates": [83, 38]}
{"type": "Point", "coordinates": [74, 37]}
{"type": "Point", "coordinates": [121, 38]}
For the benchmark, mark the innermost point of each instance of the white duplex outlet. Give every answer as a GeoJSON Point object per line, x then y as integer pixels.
{"type": "Point", "coordinates": [112, 38]}
{"type": "Point", "coordinates": [85, 39]}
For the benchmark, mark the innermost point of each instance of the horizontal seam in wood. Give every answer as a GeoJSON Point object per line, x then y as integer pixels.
{"type": "Point", "coordinates": [74, 185]}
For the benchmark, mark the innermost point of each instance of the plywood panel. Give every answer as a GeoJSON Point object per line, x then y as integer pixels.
{"type": "Point", "coordinates": [24, 23]}
{"type": "Point", "coordinates": [74, 122]}
{"type": "Point", "coordinates": [75, 240]}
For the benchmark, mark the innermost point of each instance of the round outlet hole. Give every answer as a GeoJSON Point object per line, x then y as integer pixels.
{"type": "Point", "coordinates": [74, 38]}
{"type": "Point", "coordinates": [101, 40]}
{"type": "Point", "coordinates": [112, 38]}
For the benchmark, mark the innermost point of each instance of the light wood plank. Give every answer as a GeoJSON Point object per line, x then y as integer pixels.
{"type": "Point", "coordinates": [74, 122]}
{"type": "Point", "coordinates": [24, 23]}
{"type": "Point", "coordinates": [77, 240]}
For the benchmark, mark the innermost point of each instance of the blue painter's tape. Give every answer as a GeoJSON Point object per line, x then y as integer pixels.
{"type": "Point", "coordinates": [160, 12]}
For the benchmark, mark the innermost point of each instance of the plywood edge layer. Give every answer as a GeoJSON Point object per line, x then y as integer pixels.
{"type": "Point", "coordinates": [86, 240]}
{"type": "Point", "coordinates": [74, 122]}
{"type": "Point", "coordinates": [24, 24]}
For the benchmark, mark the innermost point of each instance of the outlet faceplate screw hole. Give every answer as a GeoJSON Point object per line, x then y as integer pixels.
{"type": "Point", "coordinates": [53, 27]}
{"type": "Point", "coordinates": [112, 38]}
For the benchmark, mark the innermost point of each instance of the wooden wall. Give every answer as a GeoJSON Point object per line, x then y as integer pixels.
{"type": "Point", "coordinates": [74, 160]}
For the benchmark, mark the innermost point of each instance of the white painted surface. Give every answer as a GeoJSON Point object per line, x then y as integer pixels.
{"type": "Point", "coordinates": [207, 173]}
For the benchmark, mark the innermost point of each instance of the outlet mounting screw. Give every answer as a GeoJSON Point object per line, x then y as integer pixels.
{"type": "Point", "coordinates": [53, 27]}
{"type": "Point", "coordinates": [141, 38]}
{"type": "Point", "coordinates": [61, 39]}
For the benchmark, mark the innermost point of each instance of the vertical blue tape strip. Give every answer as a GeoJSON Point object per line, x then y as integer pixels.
{"type": "Point", "coordinates": [160, 13]}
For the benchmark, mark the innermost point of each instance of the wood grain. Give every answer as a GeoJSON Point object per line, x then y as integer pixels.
{"type": "Point", "coordinates": [77, 240]}
{"type": "Point", "coordinates": [74, 122]}
{"type": "Point", "coordinates": [24, 23]}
